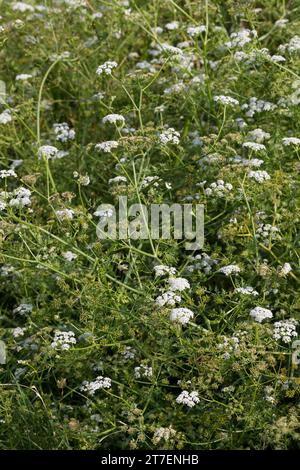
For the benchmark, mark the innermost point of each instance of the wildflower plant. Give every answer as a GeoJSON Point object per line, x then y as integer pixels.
{"type": "Point", "coordinates": [138, 343]}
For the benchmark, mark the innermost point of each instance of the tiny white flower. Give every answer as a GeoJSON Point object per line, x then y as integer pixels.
{"type": "Point", "coordinates": [113, 119]}
{"type": "Point", "coordinates": [65, 214]}
{"type": "Point", "coordinates": [285, 269]}
{"type": "Point", "coordinates": [226, 100]}
{"type": "Point", "coordinates": [22, 309]}
{"type": "Point", "coordinates": [291, 141]}
{"type": "Point", "coordinates": [167, 298]}
{"type": "Point", "coordinates": [63, 132]}
{"type": "Point", "coordinates": [69, 255]}
{"type": "Point", "coordinates": [106, 68]}
{"type": "Point", "coordinates": [5, 117]}
{"type": "Point", "coordinates": [172, 25]}
{"type": "Point", "coordinates": [117, 180]}
{"type": "Point", "coordinates": [246, 291]}
{"type": "Point", "coordinates": [260, 313]}
{"type": "Point", "coordinates": [285, 330]}
{"type": "Point", "coordinates": [17, 332]}
{"type": "Point", "coordinates": [23, 77]}
{"type": "Point", "coordinates": [107, 146]}
{"type": "Point", "coordinates": [190, 399]}
{"type": "Point", "coordinates": [143, 371]}
{"type": "Point", "coordinates": [47, 151]}
{"type": "Point", "coordinates": [259, 176]}
{"type": "Point", "coordinates": [169, 136]}
{"type": "Point", "coordinates": [178, 284]}
{"type": "Point", "coordinates": [230, 269]}
{"type": "Point", "coordinates": [195, 30]}
{"type": "Point", "coordinates": [92, 387]}
{"type": "Point", "coordinates": [181, 315]}
{"type": "Point", "coordinates": [161, 270]}
{"type": "Point", "coordinates": [7, 174]}
{"type": "Point", "coordinates": [256, 147]}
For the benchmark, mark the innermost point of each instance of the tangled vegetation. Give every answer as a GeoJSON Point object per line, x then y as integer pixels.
{"type": "Point", "coordinates": [139, 343]}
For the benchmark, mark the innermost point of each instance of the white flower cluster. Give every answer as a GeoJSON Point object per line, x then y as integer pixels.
{"type": "Point", "coordinates": [17, 332]}
{"type": "Point", "coordinates": [170, 49]}
{"type": "Point", "coordinates": [240, 38]}
{"type": "Point", "coordinates": [290, 141]}
{"type": "Point", "coordinates": [277, 58]}
{"type": "Point", "coordinates": [266, 232]}
{"type": "Point", "coordinates": [22, 309]}
{"type": "Point", "coordinates": [65, 214]}
{"type": "Point", "coordinates": [145, 65]}
{"type": "Point", "coordinates": [150, 181]}
{"type": "Point", "coordinates": [188, 398]}
{"type": "Point", "coordinates": [169, 136]}
{"type": "Point", "coordinates": [258, 135]}
{"type": "Point", "coordinates": [5, 117]}
{"type": "Point", "coordinates": [163, 434]}
{"type": "Point", "coordinates": [143, 371]}
{"type": "Point", "coordinates": [23, 77]}
{"type": "Point", "coordinates": [230, 269]}
{"type": "Point", "coordinates": [63, 132]}
{"type": "Point", "coordinates": [195, 30]}
{"type": "Point", "coordinates": [259, 175]}
{"type": "Point", "coordinates": [284, 270]}
{"type": "Point", "coordinates": [107, 146]}
{"type": "Point", "coordinates": [229, 346]}
{"type": "Point", "coordinates": [269, 397]}
{"type": "Point", "coordinates": [281, 23]}
{"type": "Point", "coordinates": [258, 106]}
{"type": "Point", "coordinates": [173, 25]}
{"type": "Point", "coordinates": [106, 68]}
{"type": "Point", "coordinates": [113, 119]}
{"type": "Point", "coordinates": [129, 353]}
{"type": "Point", "coordinates": [6, 270]}
{"type": "Point", "coordinates": [256, 147]}
{"type": "Point", "coordinates": [83, 180]}
{"type": "Point", "coordinates": [252, 163]}
{"type": "Point", "coordinates": [226, 100]}
{"type": "Point", "coordinates": [168, 298]}
{"type": "Point", "coordinates": [178, 284]}
{"type": "Point", "coordinates": [202, 262]}
{"type": "Point", "coordinates": [252, 57]}
{"type": "Point", "coordinates": [181, 315]}
{"type": "Point", "coordinates": [63, 340]}
{"type": "Point", "coordinates": [285, 330]}
{"type": "Point", "coordinates": [92, 387]}
{"type": "Point", "coordinates": [248, 290]}
{"type": "Point", "coordinates": [103, 213]}
{"type": "Point", "coordinates": [162, 270]}
{"type": "Point", "coordinates": [175, 89]}
{"type": "Point", "coordinates": [292, 46]}
{"type": "Point", "coordinates": [18, 198]}
{"type": "Point", "coordinates": [171, 296]}
{"type": "Point", "coordinates": [47, 151]}
{"type": "Point", "coordinates": [117, 180]}
{"type": "Point", "coordinates": [22, 7]}
{"type": "Point", "coordinates": [64, 55]}
{"type": "Point", "coordinates": [260, 313]}
{"type": "Point", "coordinates": [7, 174]}
{"type": "Point", "coordinates": [69, 255]}
{"type": "Point", "coordinates": [218, 188]}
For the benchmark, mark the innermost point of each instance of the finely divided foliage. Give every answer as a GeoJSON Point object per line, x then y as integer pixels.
{"type": "Point", "coordinates": [141, 344]}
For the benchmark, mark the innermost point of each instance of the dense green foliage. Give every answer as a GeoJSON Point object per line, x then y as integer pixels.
{"type": "Point", "coordinates": [215, 89]}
